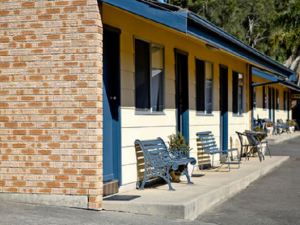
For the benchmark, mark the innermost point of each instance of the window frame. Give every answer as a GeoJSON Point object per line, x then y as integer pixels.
{"type": "Point", "coordinates": [204, 112]}
{"type": "Point", "coordinates": [146, 111]}
{"type": "Point", "coordinates": [238, 112]}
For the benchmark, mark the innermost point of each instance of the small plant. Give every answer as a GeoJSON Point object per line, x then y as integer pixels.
{"type": "Point", "coordinates": [269, 124]}
{"type": "Point", "coordinates": [177, 143]}
{"type": "Point", "coordinates": [258, 129]}
{"type": "Point", "coordinates": [178, 146]}
{"type": "Point", "coordinates": [292, 123]}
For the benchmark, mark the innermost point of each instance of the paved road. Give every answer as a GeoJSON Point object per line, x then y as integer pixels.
{"type": "Point", "coordinates": [273, 200]}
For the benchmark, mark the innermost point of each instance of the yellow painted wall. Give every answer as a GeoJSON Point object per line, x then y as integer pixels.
{"type": "Point", "coordinates": [142, 126]}
{"type": "Point", "coordinates": [261, 113]}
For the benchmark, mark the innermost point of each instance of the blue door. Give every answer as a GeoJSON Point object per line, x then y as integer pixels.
{"type": "Point", "coordinates": [111, 105]}
{"type": "Point", "coordinates": [182, 93]}
{"type": "Point", "coordinates": [224, 107]}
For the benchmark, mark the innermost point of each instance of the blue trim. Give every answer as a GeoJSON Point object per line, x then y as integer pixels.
{"type": "Point", "coordinates": [274, 78]}
{"type": "Point", "coordinates": [185, 126]}
{"type": "Point", "coordinates": [264, 75]}
{"type": "Point", "coordinates": [190, 23]}
{"type": "Point", "coordinates": [224, 132]}
{"type": "Point", "coordinates": [175, 20]}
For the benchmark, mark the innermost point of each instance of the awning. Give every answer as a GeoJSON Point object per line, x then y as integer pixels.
{"type": "Point", "coordinates": [265, 75]}
{"type": "Point", "coordinates": [273, 79]}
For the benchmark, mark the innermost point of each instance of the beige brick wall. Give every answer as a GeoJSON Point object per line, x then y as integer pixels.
{"type": "Point", "coordinates": [50, 98]}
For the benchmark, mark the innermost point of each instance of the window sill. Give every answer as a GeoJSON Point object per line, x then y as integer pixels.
{"type": "Point", "coordinates": [148, 112]}
{"type": "Point", "coordinates": [204, 114]}
{"type": "Point", "coordinates": [237, 115]}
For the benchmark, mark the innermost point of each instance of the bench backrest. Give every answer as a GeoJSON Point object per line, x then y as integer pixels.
{"type": "Point", "coordinates": [155, 152]}
{"type": "Point", "coordinates": [252, 139]}
{"type": "Point", "coordinates": [208, 142]}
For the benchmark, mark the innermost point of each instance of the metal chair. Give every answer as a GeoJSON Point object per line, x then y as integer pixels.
{"type": "Point", "coordinates": [247, 146]}
{"type": "Point", "coordinates": [256, 144]}
{"type": "Point", "coordinates": [208, 144]}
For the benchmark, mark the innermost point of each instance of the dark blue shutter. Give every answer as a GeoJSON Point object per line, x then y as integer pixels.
{"type": "Point", "coordinates": [235, 96]}
{"type": "Point", "coordinates": [264, 97]}
{"type": "Point", "coordinates": [142, 75]}
{"type": "Point", "coordinates": [200, 85]}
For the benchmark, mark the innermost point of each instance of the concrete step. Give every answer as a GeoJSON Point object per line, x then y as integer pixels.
{"type": "Point", "coordinates": [190, 201]}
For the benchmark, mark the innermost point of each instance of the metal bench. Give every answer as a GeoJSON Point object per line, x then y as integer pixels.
{"type": "Point", "coordinates": [158, 161]}
{"type": "Point", "coordinates": [284, 127]}
{"type": "Point", "coordinates": [208, 145]}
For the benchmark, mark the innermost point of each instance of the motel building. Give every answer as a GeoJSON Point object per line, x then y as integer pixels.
{"type": "Point", "coordinates": [81, 80]}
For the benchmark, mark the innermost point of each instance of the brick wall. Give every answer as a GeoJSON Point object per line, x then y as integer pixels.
{"type": "Point", "coordinates": [50, 98]}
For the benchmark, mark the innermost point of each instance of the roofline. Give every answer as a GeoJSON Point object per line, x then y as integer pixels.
{"type": "Point", "coordinates": [189, 23]}
{"type": "Point", "coordinates": [217, 30]}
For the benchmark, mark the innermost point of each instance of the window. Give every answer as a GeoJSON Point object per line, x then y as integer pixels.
{"type": "Point", "coordinates": [149, 76]}
{"type": "Point", "coordinates": [237, 93]}
{"type": "Point", "coordinates": [286, 101]}
{"type": "Point", "coordinates": [277, 100]}
{"type": "Point", "coordinates": [204, 86]}
{"type": "Point", "coordinates": [265, 98]}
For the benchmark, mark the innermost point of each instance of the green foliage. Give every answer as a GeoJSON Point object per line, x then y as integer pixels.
{"type": "Point", "coordinates": [178, 143]}
{"type": "Point", "coordinates": [292, 123]}
{"type": "Point", "coordinates": [270, 26]}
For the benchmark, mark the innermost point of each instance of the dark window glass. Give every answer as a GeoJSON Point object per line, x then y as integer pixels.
{"type": "Point", "coordinates": [200, 85]}
{"type": "Point", "coordinates": [142, 75]}
{"type": "Point", "coordinates": [235, 79]}
{"type": "Point", "coordinates": [149, 76]}
{"type": "Point", "coordinates": [204, 86]}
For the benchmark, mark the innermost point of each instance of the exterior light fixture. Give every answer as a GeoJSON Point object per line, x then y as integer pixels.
{"type": "Point", "coordinates": [211, 47]}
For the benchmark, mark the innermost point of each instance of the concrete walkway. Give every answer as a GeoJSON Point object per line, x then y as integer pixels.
{"type": "Point", "coordinates": [277, 139]}
{"type": "Point", "coordinates": [189, 201]}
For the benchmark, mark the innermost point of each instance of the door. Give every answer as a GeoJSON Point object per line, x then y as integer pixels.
{"type": "Point", "coordinates": [224, 107]}
{"type": "Point", "coordinates": [182, 93]}
{"type": "Point", "coordinates": [111, 105]}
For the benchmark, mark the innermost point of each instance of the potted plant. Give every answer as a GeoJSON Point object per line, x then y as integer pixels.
{"type": "Point", "coordinates": [292, 124]}
{"type": "Point", "coordinates": [269, 127]}
{"type": "Point", "coordinates": [178, 146]}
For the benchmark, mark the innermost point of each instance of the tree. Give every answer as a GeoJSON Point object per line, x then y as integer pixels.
{"type": "Point", "coordinates": [270, 26]}
{"type": "Point", "coordinates": [285, 38]}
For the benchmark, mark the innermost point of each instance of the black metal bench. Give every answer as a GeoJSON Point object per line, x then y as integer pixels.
{"type": "Point", "coordinates": [208, 145]}
{"type": "Point", "coordinates": [158, 161]}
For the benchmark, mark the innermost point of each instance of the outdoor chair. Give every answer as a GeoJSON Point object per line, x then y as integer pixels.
{"type": "Point", "coordinates": [209, 146]}
{"type": "Point", "coordinates": [158, 161]}
{"type": "Point", "coordinates": [244, 146]}
{"type": "Point", "coordinates": [257, 143]}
